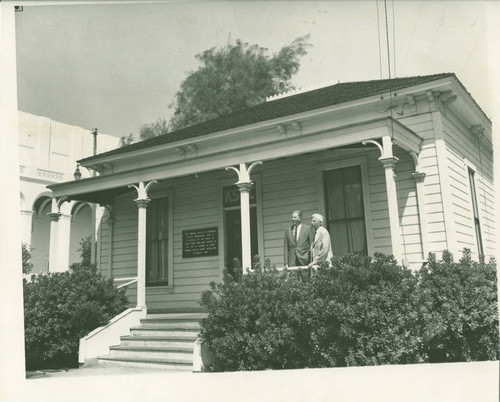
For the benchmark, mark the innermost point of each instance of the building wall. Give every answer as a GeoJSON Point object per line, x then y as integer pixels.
{"type": "Point", "coordinates": [286, 184]}
{"type": "Point", "coordinates": [48, 153]}
{"type": "Point", "coordinates": [424, 125]}
{"type": "Point", "coordinates": [463, 153]}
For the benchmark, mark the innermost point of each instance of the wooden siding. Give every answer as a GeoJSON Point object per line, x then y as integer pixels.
{"type": "Point", "coordinates": [287, 184]}
{"type": "Point", "coordinates": [408, 207]}
{"type": "Point", "coordinates": [433, 202]}
{"type": "Point", "coordinates": [462, 153]}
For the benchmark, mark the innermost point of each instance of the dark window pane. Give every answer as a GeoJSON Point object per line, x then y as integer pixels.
{"type": "Point", "coordinates": [157, 242]}
{"type": "Point", "coordinates": [345, 210]}
{"type": "Point", "coordinates": [335, 203]}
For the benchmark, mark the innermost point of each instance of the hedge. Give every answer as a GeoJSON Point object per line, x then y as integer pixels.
{"type": "Point", "coordinates": [60, 308]}
{"type": "Point", "coordinates": [361, 311]}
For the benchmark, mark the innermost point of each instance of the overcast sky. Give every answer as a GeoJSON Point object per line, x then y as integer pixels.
{"type": "Point", "coordinates": [117, 67]}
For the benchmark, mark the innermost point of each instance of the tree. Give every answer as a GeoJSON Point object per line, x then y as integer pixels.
{"type": "Point", "coordinates": [159, 127]}
{"type": "Point", "coordinates": [126, 140]}
{"type": "Point", "coordinates": [234, 77]}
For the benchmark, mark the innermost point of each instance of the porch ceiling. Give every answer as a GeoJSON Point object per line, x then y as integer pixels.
{"type": "Point", "coordinates": [103, 197]}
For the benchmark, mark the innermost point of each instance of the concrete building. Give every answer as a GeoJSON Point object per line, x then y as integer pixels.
{"type": "Point", "coordinates": [48, 153]}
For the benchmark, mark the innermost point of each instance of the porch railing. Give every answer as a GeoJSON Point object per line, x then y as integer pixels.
{"type": "Point", "coordinates": [128, 281]}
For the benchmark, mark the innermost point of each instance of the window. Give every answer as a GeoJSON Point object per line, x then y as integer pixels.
{"type": "Point", "coordinates": [157, 242]}
{"type": "Point", "coordinates": [345, 217]}
{"type": "Point", "coordinates": [475, 211]}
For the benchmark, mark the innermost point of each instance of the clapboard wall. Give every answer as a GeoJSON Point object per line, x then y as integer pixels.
{"type": "Point", "coordinates": [286, 184]}
{"type": "Point", "coordinates": [464, 152]}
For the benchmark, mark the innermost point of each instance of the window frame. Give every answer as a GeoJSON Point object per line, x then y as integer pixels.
{"type": "Point", "coordinates": [156, 194]}
{"type": "Point", "coordinates": [362, 162]}
{"type": "Point", "coordinates": [475, 207]}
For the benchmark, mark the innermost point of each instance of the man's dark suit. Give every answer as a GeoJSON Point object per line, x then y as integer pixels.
{"type": "Point", "coordinates": [297, 253]}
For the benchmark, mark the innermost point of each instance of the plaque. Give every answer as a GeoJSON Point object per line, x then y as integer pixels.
{"type": "Point", "coordinates": [200, 242]}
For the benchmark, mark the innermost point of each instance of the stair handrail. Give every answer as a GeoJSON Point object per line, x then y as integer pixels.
{"type": "Point", "coordinates": [130, 280]}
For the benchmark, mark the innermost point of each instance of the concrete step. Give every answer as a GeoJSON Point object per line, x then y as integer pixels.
{"type": "Point", "coordinates": [176, 316]}
{"type": "Point", "coordinates": [157, 330]}
{"type": "Point", "coordinates": [174, 323]}
{"type": "Point", "coordinates": [158, 341]}
{"type": "Point", "coordinates": [157, 353]}
{"type": "Point", "coordinates": [172, 365]}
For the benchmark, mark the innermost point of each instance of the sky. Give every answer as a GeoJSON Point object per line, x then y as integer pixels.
{"type": "Point", "coordinates": [118, 66]}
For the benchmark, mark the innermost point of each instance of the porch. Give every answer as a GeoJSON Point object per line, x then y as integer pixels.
{"type": "Point", "coordinates": [175, 229]}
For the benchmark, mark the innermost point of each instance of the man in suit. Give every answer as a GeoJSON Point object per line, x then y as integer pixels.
{"type": "Point", "coordinates": [298, 241]}
{"type": "Point", "coordinates": [321, 247]}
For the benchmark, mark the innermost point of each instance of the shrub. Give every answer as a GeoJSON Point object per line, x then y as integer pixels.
{"type": "Point", "coordinates": [361, 311]}
{"type": "Point", "coordinates": [463, 313]}
{"type": "Point", "coordinates": [60, 308]}
{"type": "Point", "coordinates": [85, 250]}
{"type": "Point", "coordinates": [371, 314]}
{"type": "Point", "coordinates": [26, 257]}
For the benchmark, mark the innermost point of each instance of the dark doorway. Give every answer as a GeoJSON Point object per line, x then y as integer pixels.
{"type": "Point", "coordinates": [232, 223]}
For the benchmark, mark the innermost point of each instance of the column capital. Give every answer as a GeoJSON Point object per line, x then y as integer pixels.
{"type": "Point", "coordinates": [142, 202]}
{"type": "Point", "coordinates": [418, 176]}
{"type": "Point", "coordinates": [245, 186]}
{"type": "Point", "coordinates": [26, 212]}
{"type": "Point", "coordinates": [54, 216]}
{"type": "Point", "coordinates": [389, 161]}
{"type": "Point", "coordinates": [142, 190]}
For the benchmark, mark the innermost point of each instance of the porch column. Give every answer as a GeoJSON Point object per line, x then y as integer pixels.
{"type": "Point", "coordinates": [63, 242]}
{"type": "Point", "coordinates": [245, 185]}
{"type": "Point", "coordinates": [389, 162]}
{"type": "Point", "coordinates": [26, 226]}
{"type": "Point", "coordinates": [110, 221]}
{"type": "Point", "coordinates": [142, 202]}
{"type": "Point", "coordinates": [54, 219]}
{"type": "Point", "coordinates": [419, 177]}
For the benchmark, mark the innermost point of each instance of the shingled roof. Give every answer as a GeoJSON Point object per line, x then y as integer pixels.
{"type": "Point", "coordinates": [289, 105]}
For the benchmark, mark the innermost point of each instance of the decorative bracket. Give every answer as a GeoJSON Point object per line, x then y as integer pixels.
{"type": "Point", "coordinates": [476, 134]}
{"type": "Point", "coordinates": [432, 97]}
{"type": "Point", "coordinates": [281, 128]}
{"type": "Point", "coordinates": [416, 161]}
{"type": "Point", "coordinates": [61, 201]}
{"type": "Point", "coordinates": [417, 175]}
{"type": "Point", "coordinates": [142, 190]}
{"type": "Point", "coordinates": [375, 143]}
{"type": "Point", "coordinates": [111, 212]}
{"type": "Point", "coordinates": [448, 99]}
{"type": "Point", "coordinates": [187, 149]}
{"type": "Point", "coordinates": [244, 173]}
{"type": "Point", "coordinates": [412, 103]}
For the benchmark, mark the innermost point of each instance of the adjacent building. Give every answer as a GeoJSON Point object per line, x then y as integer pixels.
{"type": "Point", "coordinates": [48, 153]}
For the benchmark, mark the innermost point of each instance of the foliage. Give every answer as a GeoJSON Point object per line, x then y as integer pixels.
{"type": "Point", "coordinates": [234, 77]}
{"type": "Point", "coordinates": [60, 308]}
{"type": "Point", "coordinates": [159, 127]}
{"type": "Point", "coordinates": [85, 250]}
{"type": "Point", "coordinates": [361, 311]}
{"type": "Point", "coordinates": [462, 300]}
{"type": "Point", "coordinates": [126, 140]}
{"type": "Point", "coordinates": [26, 257]}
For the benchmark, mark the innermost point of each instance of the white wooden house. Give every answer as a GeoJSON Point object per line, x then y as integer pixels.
{"type": "Point", "coordinates": [401, 166]}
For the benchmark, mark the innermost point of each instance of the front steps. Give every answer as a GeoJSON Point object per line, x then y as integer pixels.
{"type": "Point", "coordinates": [162, 341]}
